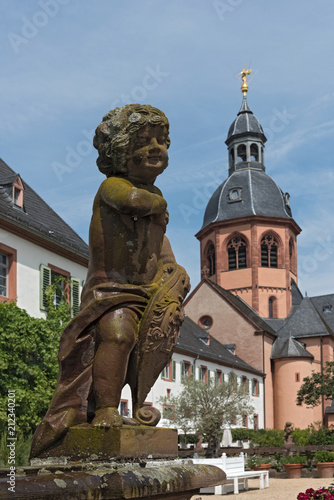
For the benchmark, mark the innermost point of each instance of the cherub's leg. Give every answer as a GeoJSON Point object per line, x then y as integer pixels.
{"type": "Point", "coordinates": [116, 335]}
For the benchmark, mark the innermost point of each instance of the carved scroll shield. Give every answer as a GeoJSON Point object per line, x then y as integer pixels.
{"type": "Point", "coordinates": [158, 334]}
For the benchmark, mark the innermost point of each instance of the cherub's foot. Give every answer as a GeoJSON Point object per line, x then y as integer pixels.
{"type": "Point", "coordinates": [129, 421]}
{"type": "Point", "coordinates": [107, 417]}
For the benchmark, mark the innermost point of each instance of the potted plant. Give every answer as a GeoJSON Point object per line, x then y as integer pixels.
{"type": "Point", "coordinates": [325, 463]}
{"type": "Point", "coordinates": [257, 462]}
{"type": "Point", "coordinates": [293, 465]}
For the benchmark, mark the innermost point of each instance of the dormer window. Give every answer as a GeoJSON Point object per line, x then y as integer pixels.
{"type": "Point", "coordinates": [327, 308]}
{"type": "Point", "coordinates": [18, 192]}
{"type": "Point", "coordinates": [234, 194]}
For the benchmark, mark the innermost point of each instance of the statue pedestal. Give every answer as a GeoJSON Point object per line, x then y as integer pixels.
{"type": "Point", "coordinates": [165, 480]}
{"type": "Point", "coordinates": [86, 443]}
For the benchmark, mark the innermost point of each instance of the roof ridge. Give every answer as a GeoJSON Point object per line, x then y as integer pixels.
{"type": "Point", "coordinates": [234, 298]}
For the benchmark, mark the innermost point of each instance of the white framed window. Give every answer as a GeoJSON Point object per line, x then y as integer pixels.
{"type": "Point", "coordinates": [3, 275]}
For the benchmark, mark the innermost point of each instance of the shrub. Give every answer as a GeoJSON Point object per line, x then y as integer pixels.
{"type": "Point", "coordinates": [241, 434]}
{"type": "Point", "coordinates": [294, 459]}
{"type": "Point", "coordinates": [255, 460]}
{"type": "Point", "coordinates": [321, 436]}
{"type": "Point", "coordinates": [324, 456]}
{"type": "Point", "coordinates": [300, 436]}
{"type": "Point", "coordinates": [22, 449]}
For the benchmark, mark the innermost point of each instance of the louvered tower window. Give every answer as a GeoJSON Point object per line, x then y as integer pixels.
{"type": "Point", "coordinates": [237, 254]}
{"type": "Point", "coordinates": [211, 258]}
{"type": "Point", "coordinates": [269, 247]}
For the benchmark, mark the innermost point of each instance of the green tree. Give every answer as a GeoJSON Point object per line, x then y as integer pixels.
{"type": "Point", "coordinates": [316, 386]}
{"type": "Point", "coordinates": [28, 360]}
{"type": "Point", "coordinates": [206, 407]}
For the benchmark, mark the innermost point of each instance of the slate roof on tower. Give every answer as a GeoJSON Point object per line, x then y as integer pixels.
{"type": "Point", "coordinates": [36, 216]}
{"type": "Point", "coordinates": [245, 123]}
{"type": "Point", "coordinates": [260, 196]}
{"type": "Point", "coordinates": [325, 307]}
{"type": "Point", "coordinates": [305, 321]}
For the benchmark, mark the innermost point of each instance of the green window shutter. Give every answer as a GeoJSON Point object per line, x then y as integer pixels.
{"type": "Point", "coordinates": [192, 370]}
{"type": "Point", "coordinates": [45, 280]}
{"type": "Point", "coordinates": [75, 296]}
{"type": "Point", "coordinates": [247, 386]}
{"type": "Point", "coordinates": [173, 370]}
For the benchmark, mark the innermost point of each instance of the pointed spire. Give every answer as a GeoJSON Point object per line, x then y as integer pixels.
{"type": "Point", "coordinates": [244, 106]}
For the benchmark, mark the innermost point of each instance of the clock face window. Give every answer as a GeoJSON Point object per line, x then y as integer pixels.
{"type": "Point", "coordinates": [235, 194]}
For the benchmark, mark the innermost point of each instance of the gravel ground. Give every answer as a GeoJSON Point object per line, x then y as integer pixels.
{"type": "Point", "coordinates": [279, 489]}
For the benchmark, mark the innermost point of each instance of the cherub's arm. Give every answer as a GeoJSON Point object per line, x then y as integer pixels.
{"type": "Point", "coordinates": [128, 199]}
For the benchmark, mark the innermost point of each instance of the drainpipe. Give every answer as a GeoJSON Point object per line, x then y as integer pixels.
{"type": "Point", "coordinates": [264, 384]}
{"type": "Point", "coordinates": [322, 371]}
{"type": "Point", "coordinates": [261, 332]}
{"type": "Point", "coordinates": [194, 365]}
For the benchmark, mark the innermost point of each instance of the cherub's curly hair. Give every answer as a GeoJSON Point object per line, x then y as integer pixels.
{"type": "Point", "coordinates": [112, 136]}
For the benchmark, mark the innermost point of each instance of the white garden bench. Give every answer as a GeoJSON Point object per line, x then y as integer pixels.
{"type": "Point", "coordinates": [234, 468]}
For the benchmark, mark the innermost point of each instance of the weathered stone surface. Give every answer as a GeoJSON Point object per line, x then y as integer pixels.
{"type": "Point", "coordinates": [84, 442]}
{"type": "Point", "coordinates": [170, 482]}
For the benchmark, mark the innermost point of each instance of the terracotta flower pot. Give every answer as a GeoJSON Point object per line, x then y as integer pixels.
{"type": "Point", "coordinates": [262, 467]}
{"type": "Point", "coordinates": [325, 469]}
{"type": "Point", "coordinates": [293, 471]}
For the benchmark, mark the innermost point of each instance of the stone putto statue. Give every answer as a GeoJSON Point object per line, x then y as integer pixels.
{"type": "Point", "coordinates": [131, 305]}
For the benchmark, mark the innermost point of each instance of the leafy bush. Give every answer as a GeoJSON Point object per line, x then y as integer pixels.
{"type": "Point", "coordinates": [300, 436]}
{"type": "Point", "coordinates": [22, 449]}
{"type": "Point", "coordinates": [320, 436]}
{"type": "Point", "coordinates": [268, 437]}
{"type": "Point", "coordinates": [241, 434]}
{"type": "Point", "coordinates": [324, 456]}
{"type": "Point", "coordinates": [28, 362]}
{"type": "Point", "coordinates": [261, 437]}
{"type": "Point", "coordinates": [297, 458]}
{"type": "Point", "coordinates": [255, 460]}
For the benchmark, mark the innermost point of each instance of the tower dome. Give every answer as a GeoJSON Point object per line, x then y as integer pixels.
{"type": "Point", "coordinates": [249, 238]}
{"type": "Point", "coordinates": [246, 193]}
{"type": "Point", "coordinates": [245, 123]}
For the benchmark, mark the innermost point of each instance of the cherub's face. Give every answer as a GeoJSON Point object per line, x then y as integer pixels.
{"type": "Point", "coordinates": [148, 156]}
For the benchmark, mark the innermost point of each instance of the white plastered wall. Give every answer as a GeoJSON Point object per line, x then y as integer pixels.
{"type": "Point", "coordinates": [29, 258]}
{"type": "Point", "coordinates": [160, 387]}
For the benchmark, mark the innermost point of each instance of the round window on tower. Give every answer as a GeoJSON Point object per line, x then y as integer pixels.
{"type": "Point", "coordinates": [205, 322]}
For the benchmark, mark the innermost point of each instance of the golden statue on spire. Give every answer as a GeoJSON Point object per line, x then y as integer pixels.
{"type": "Point", "coordinates": [244, 73]}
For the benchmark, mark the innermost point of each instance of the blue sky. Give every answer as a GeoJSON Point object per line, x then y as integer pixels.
{"type": "Point", "coordinates": [65, 63]}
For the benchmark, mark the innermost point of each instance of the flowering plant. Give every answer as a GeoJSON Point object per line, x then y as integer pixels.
{"type": "Point", "coordinates": [320, 494]}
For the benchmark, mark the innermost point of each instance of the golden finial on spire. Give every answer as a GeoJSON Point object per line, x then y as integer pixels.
{"type": "Point", "coordinates": [244, 73]}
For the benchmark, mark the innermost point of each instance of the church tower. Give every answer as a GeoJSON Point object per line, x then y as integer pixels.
{"type": "Point", "coordinates": [249, 239]}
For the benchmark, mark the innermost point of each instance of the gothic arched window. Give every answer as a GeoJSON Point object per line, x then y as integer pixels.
{"type": "Point", "coordinates": [237, 253]}
{"type": "Point", "coordinates": [211, 259]}
{"type": "Point", "coordinates": [269, 248]}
